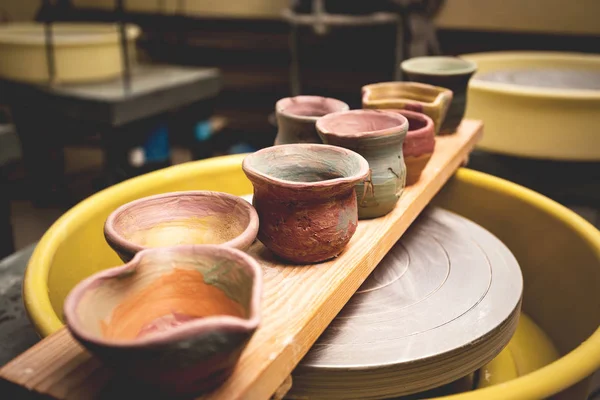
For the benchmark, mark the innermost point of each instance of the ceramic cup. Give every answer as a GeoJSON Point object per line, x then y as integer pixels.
{"type": "Point", "coordinates": [304, 195]}
{"type": "Point", "coordinates": [453, 73]}
{"type": "Point", "coordinates": [179, 218]}
{"type": "Point", "coordinates": [419, 144]}
{"type": "Point", "coordinates": [427, 99]}
{"type": "Point", "coordinates": [296, 117]}
{"type": "Point", "coordinates": [377, 136]}
{"type": "Point", "coordinates": [173, 319]}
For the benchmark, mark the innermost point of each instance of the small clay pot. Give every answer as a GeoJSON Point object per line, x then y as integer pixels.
{"type": "Point", "coordinates": [173, 319]}
{"type": "Point", "coordinates": [296, 117]}
{"type": "Point", "coordinates": [418, 145]}
{"type": "Point", "coordinates": [304, 195]}
{"type": "Point", "coordinates": [453, 73]}
{"type": "Point", "coordinates": [181, 218]}
{"type": "Point", "coordinates": [427, 99]}
{"type": "Point", "coordinates": [377, 136]}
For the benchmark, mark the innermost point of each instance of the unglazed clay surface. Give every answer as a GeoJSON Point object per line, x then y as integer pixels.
{"type": "Point", "coordinates": [453, 73]}
{"type": "Point", "coordinates": [418, 145]}
{"type": "Point", "coordinates": [304, 195]}
{"type": "Point", "coordinates": [296, 117]}
{"type": "Point", "coordinates": [181, 218]}
{"type": "Point", "coordinates": [378, 136]}
{"type": "Point", "coordinates": [172, 317]}
{"type": "Point", "coordinates": [433, 101]}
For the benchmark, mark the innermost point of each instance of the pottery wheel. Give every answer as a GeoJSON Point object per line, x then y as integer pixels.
{"type": "Point", "coordinates": [441, 304]}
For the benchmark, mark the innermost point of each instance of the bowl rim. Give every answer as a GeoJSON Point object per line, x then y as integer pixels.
{"type": "Point", "coordinates": [99, 33]}
{"type": "Point", "coordinates": [504, 88]}
{"type": "Point", "coordinates": [254, 174]}
{"type": "Point", "coordinates": [440, 94]}
{"type": "Point", "coordinates": [280, 106]}
{"type": "Point", "coordinates": [189, 328]}
{"type": "Point", "coordinates": [429, 125]}
{"type": "Point", "coordinates": [118, 241]}
{"type": "Point", "coordinates": [402, 126]}
{"type": "Point", "coordinates": [465, 66]}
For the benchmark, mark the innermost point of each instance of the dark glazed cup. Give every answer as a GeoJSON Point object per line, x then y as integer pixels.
{"type": "Point", "coordinates": [452, 73]}
{"type": "Point", "coordinates": [378, 136]}
{"type": "Point", "coordinates": [305, 198]}
{"type": "Point", "coordinates": [174, 320]}
{"type": "Point", "coordinates": [296, 117]}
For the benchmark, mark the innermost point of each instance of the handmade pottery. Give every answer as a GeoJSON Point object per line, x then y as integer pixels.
{"type": "Point", "coordinates": [175, 319]}
{"type": "Point", "coordinates": [304, 195]}
{"type": "Point", "coordinates": [418, 145]}
{"type": "Point", "coordinates": [453, 73]}
{"type": "Point", "coordinates": [378, 136]}
{"type": "Point", "coordinates": [296, 117]}
{"type": "Point", "coordinates": [179, 218]}
{"type": "Point", "coordinates": [431, 100]}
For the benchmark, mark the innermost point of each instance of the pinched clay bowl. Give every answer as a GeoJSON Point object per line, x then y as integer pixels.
{"type": "Point", "coordinates": [433, 101]}
{"type": "Point", "coordinates": [180, 218]}
{"type": "Point", "coordinates": [305, 198]}
{"type": "Point", "coordinates": [173, 319]}
{"type": "Point", "coordinates": [418, 145]}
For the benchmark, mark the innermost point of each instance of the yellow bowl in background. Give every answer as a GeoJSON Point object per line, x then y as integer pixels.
{"type": "Point", "coordinates": [525, 121]}
{"type": "Point", "coordinates": [83, 52]}
{"type": "Point", "coordinates": [559, 253]}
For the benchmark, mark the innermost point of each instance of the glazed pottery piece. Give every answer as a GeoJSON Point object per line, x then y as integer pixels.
{"type": "Point", "coordinates": [181, 218]}
{"type": "Point", "coordinates": [453, 73]}
{"type": "Point", "coordinates": [431, 100]}
{"type": "Point", "coordinates": [418, 145]}
{"type": "Point", "coordinates": [378, 136]}
{"type": "Point", "coordinates": [173, 319]}
{"type": "Point", "coordinates": [305, 198]}
{"type": "Point", "coordinates": [296, 117]}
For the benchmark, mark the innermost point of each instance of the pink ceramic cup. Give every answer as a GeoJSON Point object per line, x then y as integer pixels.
{"type": "Point", "coordinates": [419, 144]}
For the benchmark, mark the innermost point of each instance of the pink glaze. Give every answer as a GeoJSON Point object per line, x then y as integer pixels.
{"type": "Point", "coordinates": [309, 106]}
{"type": "Point", "coordinates": [363, 123]}
{"type": "Point", "coordinates": [420, 138]}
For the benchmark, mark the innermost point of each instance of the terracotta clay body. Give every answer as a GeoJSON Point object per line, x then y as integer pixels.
{"type": "Point", "coordinates": [296, 117]}
{"type": "Point", "coordinates": [378, 136]}
{"type": "Point", "coordinates": [418, 145]}
{"type": "Point", "coordinates": [305, 198]}
{"type": "Point", "coordinates": [450, 72]}
{"type": "Point", "coordinates": [433, 101]}
{"type": "Point", "coordinates": [180, 218]}
{"type": "Point", "coordinates": [175, 319]}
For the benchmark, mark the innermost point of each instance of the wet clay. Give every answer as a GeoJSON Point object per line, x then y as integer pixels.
{"type": "Point", "coordinates": [171, 300]}
{"type": "Point", "coordinates": [210, 229]}
{"type": "Point", "coordinates": [553, 78]}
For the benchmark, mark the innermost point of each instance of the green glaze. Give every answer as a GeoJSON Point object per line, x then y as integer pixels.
{"type": "Point", "coordinates": [381, 147]}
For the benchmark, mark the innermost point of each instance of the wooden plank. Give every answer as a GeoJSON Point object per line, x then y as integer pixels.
{"type": "Point", "coordinates": [299, 303]}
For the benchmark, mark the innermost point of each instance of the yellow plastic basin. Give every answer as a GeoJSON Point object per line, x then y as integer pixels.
{"type": "Point", "coordinates": [558, 251]}
{"type": "Point", "coordinates": [541, 123]}
{"type": "Point", "coordinates": [83, 52]}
